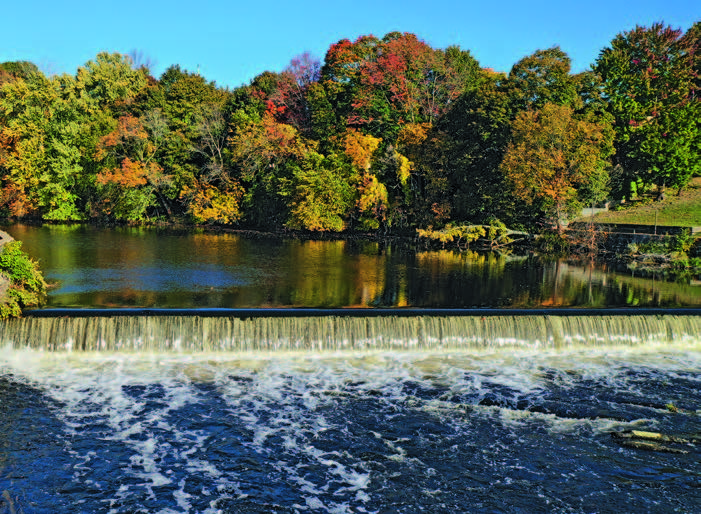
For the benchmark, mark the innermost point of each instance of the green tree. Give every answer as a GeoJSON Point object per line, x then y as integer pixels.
{"type": "Point", "coordinates": [650, 78]}
{"type": "Point", "coordinates": [44, 123]}
{"type": "Point", "coordinates": [110, 78]}
{"type": "Point", "coordinates": [458, 164]}
{"type": "Point", "coordinates": [540, 78]}
{"type": "Point", "coordinates": [321, 192]}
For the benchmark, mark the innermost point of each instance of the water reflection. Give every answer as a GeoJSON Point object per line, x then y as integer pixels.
{"type": "Point", "coordinates": [133, 267]}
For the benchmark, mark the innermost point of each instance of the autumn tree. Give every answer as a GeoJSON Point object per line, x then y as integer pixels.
{"type": "Point", "coordinates": [556, 161]}
{"type": "Point", "coordinates": [50, 129]}
{"type": "Point", "coordinates": [372, 200]}
{"type": "Point", "coordinates": [290, 96]}
{"type": "Point", "coordinates": [261, 149]}
{"type": "Point", "coordinates": [650, 78]}
{"type": "Point", "coordinates": [341, 76]}
{"type": "Point", "coordinates": [379, 84]}
{"type": "Point", "coordinates": [419, 82]}
{"type": "Point", "coordinates": [131, 179]}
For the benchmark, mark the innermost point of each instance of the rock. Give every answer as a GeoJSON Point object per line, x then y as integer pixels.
{"type": "Point", "coordinates": [4, 281]}
{"type": "Point", "coordinates": [5, 237]}
{"type": "Point", "coordinates": [652, 447]}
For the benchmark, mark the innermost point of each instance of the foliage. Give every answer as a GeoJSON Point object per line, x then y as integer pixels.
{"type": "Point", "coordinates": [12, 70]}
{"type": "Point", "coordinates": [27, 287]}
{"type": "Point", "coordinates": [321, 193]}
{"type": "Point", "coordinates": [51, 128]}
{"type": "Point", "coordinates": [679, 244]}
{"type": "Point", "coordinates": [289, 99]}
{"type": "Point", "coordinates": [387, 133]}
{"type": "Point", "coordinates": [650, 78]}
{"type": "Point", "coordinates": [372, 202]}
{"type": "Point", "coordinates": [554, 158]}
{"type": "Point", "coordinates": [378, 85]}
{"type": "Point", "coordinates": [360, 148]}
{"type": "Point", "coordinates": [497, 233]}
{"type": "Point", "coordinates": [542, 78]}
{"type": "Point", "coordinates": [128, 183]}
{"type": "Point", "coordinates": [110, 78]}
{"type": "Point", "coordinates": [462, 235]}
{"type": "Point", "coordinates": [459, 161]}
{"type": "Point", "coordinates": [209, 204]}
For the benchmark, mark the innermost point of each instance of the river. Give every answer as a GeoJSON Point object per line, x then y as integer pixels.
{"type": "Point", "coordinates": [140, 267]}
{"type": "Point", "coordinates": [374, 411]}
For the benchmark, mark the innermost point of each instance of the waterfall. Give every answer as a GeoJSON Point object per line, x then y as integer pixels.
{"type": "Point", "coordinates": [260, 333]}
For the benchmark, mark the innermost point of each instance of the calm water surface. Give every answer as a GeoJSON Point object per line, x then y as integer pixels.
{"type": "Point", "coordinates": [137, 267]}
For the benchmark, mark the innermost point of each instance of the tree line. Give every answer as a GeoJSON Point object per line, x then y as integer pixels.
{"type": "Point", "coordinates": [386, 134]}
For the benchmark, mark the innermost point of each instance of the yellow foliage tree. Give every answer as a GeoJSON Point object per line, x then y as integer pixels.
{"type": "Point", "coordinates": [209, 204]}
{"type": "Point", "coordinates": [360, 148]}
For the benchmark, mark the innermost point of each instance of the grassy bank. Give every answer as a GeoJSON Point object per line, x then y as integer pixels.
{"type": "Point", "coordinates": [675, 210]}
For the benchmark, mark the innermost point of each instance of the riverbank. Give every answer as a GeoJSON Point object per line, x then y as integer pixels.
{"type": "Point", "coordinates": [654, 209]}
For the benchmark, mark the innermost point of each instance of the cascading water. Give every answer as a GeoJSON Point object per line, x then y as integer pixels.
{"type": "Point", "coordinates": [440, 414]}
{"type": "Point", "coordinates": [328, 332]}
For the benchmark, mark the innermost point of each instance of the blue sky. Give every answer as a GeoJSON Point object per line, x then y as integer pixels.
{"type": "Point", "coordinates": [232, 41]}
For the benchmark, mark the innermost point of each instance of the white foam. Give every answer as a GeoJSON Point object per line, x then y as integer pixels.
{"type": "Point", "coordinates": [182, 497]}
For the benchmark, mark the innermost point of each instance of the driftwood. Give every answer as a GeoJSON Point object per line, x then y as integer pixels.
{"type": "Point", "coordinates": [654, 441]}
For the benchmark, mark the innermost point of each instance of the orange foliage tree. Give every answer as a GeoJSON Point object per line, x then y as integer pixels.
{"type": "Point", "coordinates": [556, 161]}
{"type": "Point", "coordinates": [130, 178]}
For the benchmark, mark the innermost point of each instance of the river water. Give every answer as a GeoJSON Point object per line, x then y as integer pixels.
{"type": "Point", "coordinates": [343, 414]}
{"type": "Point", "coordinates": [406, 432]}
{"type": "Point", "coordinates": [138, 267]}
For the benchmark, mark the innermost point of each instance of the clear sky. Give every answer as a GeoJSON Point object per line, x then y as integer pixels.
{"type": "Point", "coordinates": [231, 41]}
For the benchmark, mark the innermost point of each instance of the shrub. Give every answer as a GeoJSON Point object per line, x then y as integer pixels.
{"type": "Point", "coordinates": [26, 287]}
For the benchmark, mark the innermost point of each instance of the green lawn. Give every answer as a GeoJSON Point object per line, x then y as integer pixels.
{"type": "Point", "coordinates": [684, 210]}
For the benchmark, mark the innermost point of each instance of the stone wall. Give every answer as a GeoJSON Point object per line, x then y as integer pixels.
{"type": "Point", "coordinates": [615, 238]}
{"type": "Point", "coordinates": [620, 228]}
